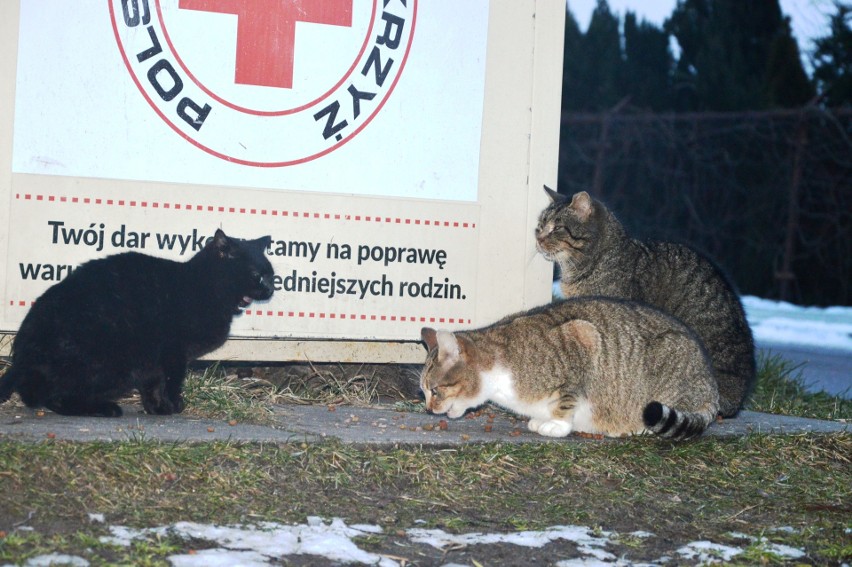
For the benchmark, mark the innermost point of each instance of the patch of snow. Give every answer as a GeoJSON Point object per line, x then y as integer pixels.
{"type": "Point", "coordinates": [220, 558]}
{"type": "Point", "coordinates": [784, 551]}
{"type": "Point", "coordinates": [784, 323]}
{"type": "Point", "coordinates": [584, 562]}
{"type": "Point", "coordinates": [56, 559]}
{"type": "Point", "coordinates": [265, 541]}
{"type": "Point", "coordinates": [576, 534]}
{"type": "Point", "coordinates": [589, 545]}
{"type": "Point", "coordinates": [708, 552]}
{"type": "Point", "coordinates": [775, 548]}
{"type": "Point", "coordinates": [780, 322]}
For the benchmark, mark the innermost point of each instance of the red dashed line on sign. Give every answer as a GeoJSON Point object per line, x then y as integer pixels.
{"type": "Point", "coordinates": [244, 211]}
{"type": "Point", "coordinates": [320, 315]}
{"type": "Point", "coordinates": [357, 316]}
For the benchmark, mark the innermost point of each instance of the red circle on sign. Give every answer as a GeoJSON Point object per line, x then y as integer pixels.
{"type": "Point", "coordinates": [240, 108]}
{"type": "Point", "coordinates": [215, 148]}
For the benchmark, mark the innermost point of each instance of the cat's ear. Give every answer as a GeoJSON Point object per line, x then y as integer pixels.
{"type": "Point", "coordinates": [429, 337]}
{"type": "Point", "coordinates": [584, 333]}
{"type": "Point", "coordinates": [262, 243]}
{"type": "Point", "coordinates": [555, 197]}
{"type": "Point", "coordinates": [448, 346]}
{"type": "Point", "coordinates": [222, 243]}
{"type": "Point", "coordinates": [581, 204]}
{"type": "Point", "coordinates": [453, 348]}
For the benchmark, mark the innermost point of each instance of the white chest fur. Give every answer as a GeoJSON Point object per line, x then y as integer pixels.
{"type": "Point", "coordinates": [499, 387]}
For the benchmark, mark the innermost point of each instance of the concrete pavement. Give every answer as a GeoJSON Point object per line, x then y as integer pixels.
{"type": "Point", "coordinates": [358, 425]}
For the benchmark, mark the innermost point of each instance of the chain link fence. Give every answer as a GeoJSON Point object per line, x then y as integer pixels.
{"type": "Point", "coordinates": [767, 194]}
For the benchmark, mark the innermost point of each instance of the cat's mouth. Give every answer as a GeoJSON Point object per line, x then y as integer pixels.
{"type": "Point", "coordinates": [244, 302]}
{"type": "Point", "coordinates": [549, 256]}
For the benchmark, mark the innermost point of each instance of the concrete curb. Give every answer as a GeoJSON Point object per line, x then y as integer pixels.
{"type": "Point", "coordinates": [355, 425]}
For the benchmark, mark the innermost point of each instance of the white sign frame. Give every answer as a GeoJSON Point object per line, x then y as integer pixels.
{"type": "Point", "coordinates": [518, 154]}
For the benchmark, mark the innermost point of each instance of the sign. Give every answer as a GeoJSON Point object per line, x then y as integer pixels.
{"type": "Point", "coordinates": [394, 150]}
{"type": "Point", "coordinates": [197, 91]}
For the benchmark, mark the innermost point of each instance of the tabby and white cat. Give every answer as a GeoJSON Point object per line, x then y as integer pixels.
{"type": "Point", "coordinates": [597, 257]}
{"type": "Point", "coordinates": [594, 365]}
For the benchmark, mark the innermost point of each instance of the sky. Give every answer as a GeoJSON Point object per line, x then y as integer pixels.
{"type": "Point", "coordinates": [809, 17]}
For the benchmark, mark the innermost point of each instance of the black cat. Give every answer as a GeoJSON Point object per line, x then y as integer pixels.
{"type": "Point", "coordinates": [133, 321]}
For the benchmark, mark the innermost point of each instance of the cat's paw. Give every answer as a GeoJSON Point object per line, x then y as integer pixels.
{"type": "Point", "coordinates": [178, 404]}
{"type": "Point", "coordinates": [157, 406]}
{"type": "Point", "coordinates": [553, 428]}
{"type": "Point", "coordinates": [534, 424]}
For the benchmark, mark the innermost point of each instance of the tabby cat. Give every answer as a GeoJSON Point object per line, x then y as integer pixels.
{"type": "Point", "coordinates": [592, 364]}
{"type": "Point", "coordinates": [597, 257]}
{"type": "Point", "coordinates": [133, 321]}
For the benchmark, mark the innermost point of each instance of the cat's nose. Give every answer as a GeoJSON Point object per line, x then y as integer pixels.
{"type": "Point", "coordinates": [267, 285]}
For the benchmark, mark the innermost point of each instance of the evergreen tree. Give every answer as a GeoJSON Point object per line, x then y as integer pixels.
{"type": "Point", "coordinates": [832, 59]}
{"type": "Point", "coordinates": [573, 66]}
{"type": "Point", "coordinates": [593, 63]}
{"type": "Point", "coordinates": [735, 55]}
{"type": "Point", "coordinates": [787, 84]}
{"type": "Point", "coordinates": [602, 49]}
{"type": "Point", "coordinates": [648, 65]}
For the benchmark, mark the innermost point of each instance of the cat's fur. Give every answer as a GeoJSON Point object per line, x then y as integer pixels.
{"type": "Point", "coordinates": [133, 321]}
{"type": "Point", "coordinates": [594, 365]}
{"type": "Point", "coordinates": [597, 257]}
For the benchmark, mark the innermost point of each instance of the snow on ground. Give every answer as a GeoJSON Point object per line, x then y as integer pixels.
{"type": "Point", "coordinates": [268, 542]}
{"type": "Point", "coordinates": [779, 322]}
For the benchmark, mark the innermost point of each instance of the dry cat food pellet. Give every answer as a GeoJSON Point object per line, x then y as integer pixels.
{"type": "Point", "coordinates": [232, 422]}
{"type": "Point", "coordinates": [488, 428]}
{"type": "Point", "coordinates": [465, 437]}
{"type": "Point", "coordinates": [51, 435]}
{"type": "Point", "coordinates": [515, 432]}
{"type": "Point", "coordinates": [442, 425]}
{"type": "Point", "coordinates": [428, 427]}
{"type": "Point", "coordinates": [211, 429]}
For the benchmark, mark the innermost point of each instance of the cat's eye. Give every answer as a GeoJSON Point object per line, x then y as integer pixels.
{"type": "Point", "coordinates": [434, 391]}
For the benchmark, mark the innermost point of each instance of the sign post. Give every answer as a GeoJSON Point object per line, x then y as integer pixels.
{"type": "Point", "coordinates": [394, 150]}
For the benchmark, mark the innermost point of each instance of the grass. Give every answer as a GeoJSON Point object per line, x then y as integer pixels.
{"type": "Point", "coordinates": [710, 488]}
{"type": "Point", "coordinates": [781, 389]}
{"type": "Point", "coordinates": [217, 392]}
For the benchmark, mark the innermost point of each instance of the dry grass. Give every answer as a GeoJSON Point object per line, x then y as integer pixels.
{"type": "Point", "coordinates": [246, 393]}
{"type": "Point", "coordinates": [781, 389]}
{"type": "Point", "coordinates": [326, 384]}
{"type": "Point", "coordinates": [706, 489]}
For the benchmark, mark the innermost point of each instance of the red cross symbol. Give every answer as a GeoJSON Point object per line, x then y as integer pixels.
{"type": "Point", "coordinates": [266, 33]}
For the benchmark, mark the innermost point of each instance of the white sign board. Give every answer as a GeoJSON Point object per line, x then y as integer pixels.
{"type": "Point", "coordinates": [394, 150]}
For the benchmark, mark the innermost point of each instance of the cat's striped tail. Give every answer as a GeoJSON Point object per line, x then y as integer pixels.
{"type": "Point", "coordinates": [668, 422]}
